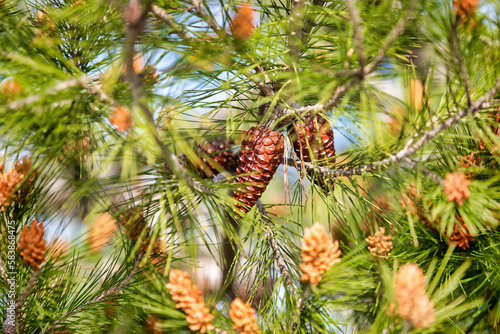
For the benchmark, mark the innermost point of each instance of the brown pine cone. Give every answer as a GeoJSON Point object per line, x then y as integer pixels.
{"type": "Point", "coordinates": [261, 154]}
{"type": "Point", "coordinates": [315, 143]}
{"type": "Point", "coordinates": [9, 328]}
{"type": "Point", "coordinates": [220, 153]}
{"type": "Point", "coordinates": [32, 245]}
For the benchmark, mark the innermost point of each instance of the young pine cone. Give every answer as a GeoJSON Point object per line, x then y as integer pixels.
{"type": "Point", "coordinates": [261, 155]}
{"type": "Point", "coordinates": [133, 222]}
{"type": "Point", "coordinates": [319, 253]}
{"type": "Point", "coordinates": [220, 153]}
{"type": "Point", "coordinates": [315, 143]}
{"type": "Point", "coordinates": [243, 317]}
{"type": "Point", "coordinates": [456, 187]}
{"type": "Point", "coordinates": [189, 299]}
{"type": "Point", "coordinates": [413, 301]}
{"type": "Point", "coordinates": [380, 246]}
{"type": "Point", "coordinates": [32, 245]}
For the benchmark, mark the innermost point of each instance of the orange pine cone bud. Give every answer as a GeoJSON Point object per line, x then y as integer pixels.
{"type": "Point", "coordinates": [456, 187]}
{"type": "Point", "coordinates": [11, 88]}
{"type": "Point", "coordinates": [32, 245]}
{"type": "Point", "coordinates": [261, 155]}
{"type": "Point", "coordinates": [243, 317]}
{"type": "Point", "coordinates": [380, 246]}
{"type": "Point", "coordinates": [465, 8]}
{"type": "Point", "coordinates": [242, 25]}
{"type": "Point", "coordinates": [189, 299]}
{"type": "Point", "coordinates": [10, 180]}
{"type": "Point", "coordinates": [8, 183]}
{"type": "Point", "coordinates": [461, 235]}
{"type": "Point", "coordinates": [151, 322]}
{"type": "Point", "coordinates": [319, 253]}
{"type": "Point", "coordinates": [121, 118]}
{"type": "Point", "coordinates": [315, 143]}
{"type": "Point", "coordinates": [101, 231]}
{"type": "Point", "coordinates": [413, 301]}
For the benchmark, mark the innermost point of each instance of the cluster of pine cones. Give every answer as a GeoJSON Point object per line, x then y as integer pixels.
{"type": "Point", "coordinates": [261, 154]}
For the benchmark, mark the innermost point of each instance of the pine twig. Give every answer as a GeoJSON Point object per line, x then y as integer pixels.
{"type": "Point", "coordinates": [3, 272]}
{"type": "Point", "coordinates": [165, 16]}
{"type": "Point", "coordinates": [113, 290]}
{"type": "Point", "coordinates": [198, 6]}
{"type": "Point", "coordinates": [300, 306]}
{"type": "Point", "coordinates": [358, 74]}
{"type": "Point", "coordinates": [296, 35]}
{"type": "Point", "coordinates": [460, 60]}
{"type": "Point", "coordinates": [19, 304]}
{"type": "Point", "coordinates": [356, 27]}
{"type": "Point", "coordinates": [133, 31]}
{"type": "Point", "coordinates": [432, 175]}
{"type": "Point", "coordinates": [65, 85]}
{"type": "Point", "coordinates": [409, 150]}
{"type": "Point", "coordinates": [270, 236]}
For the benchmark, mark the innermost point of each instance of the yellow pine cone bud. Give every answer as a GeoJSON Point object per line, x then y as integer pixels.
{"type": "Point", "coordinates": [380, 246]}
{"type": "Point", "coordinates": [121, 118]}
{"type": "Point", "coordinates": [243, 317]}
{"type": "Point", "coordinates": [32, 245]}
{"type": "Point", "coordinates": [456, 187]}
{"type": "Point", "coordinates": [413, 301]}
{"type": "Point", "coordinates": [189, 299]}
{"type": "Point", "coordinates": [319, 253]}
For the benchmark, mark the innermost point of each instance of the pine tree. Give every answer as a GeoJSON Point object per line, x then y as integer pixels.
{"type": "Point", "coordinates": [170, 166]}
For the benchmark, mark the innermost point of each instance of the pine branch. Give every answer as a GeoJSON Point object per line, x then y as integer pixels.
{"type": "Point", "coordinates": [300, 306]}
{"type": "Point", "coordinates": [270, 236]}
{"type": "Point", "coordinates": [3, 272]}
{"type": "Point", "coordinates": [165, 16]}
{"type": "Point", "coordinates": [135, 27]}
{"type": "Point", "coordinates": [31, 283]}
{"type": "Point", "coordinates": [286, 115]}
{"type": "Point", "coordinates": [198, 6]}
{"type": "Point", "coordinates": [296, 35]}
{"type": "Point", "coordinates": [409, 150]}
{"type": "Point", "coordinates": [358, 38]}
{"type": "Point", "coordinates": [432, 175]}
{"type": "Point", "coordinates": [460, 60]}
{"type": "Point", "coordinates": [168, 19]}
{"type": "Point", "coordinates": [18, 104]}
{"type": "Point", "coordinates": [112, 291]}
